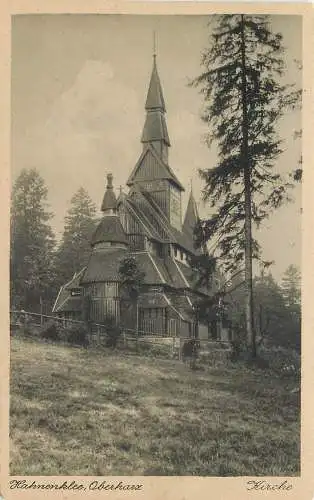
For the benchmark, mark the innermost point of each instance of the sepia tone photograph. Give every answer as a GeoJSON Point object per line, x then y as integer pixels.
{"type": "Point", "coordinates": [155, 245]}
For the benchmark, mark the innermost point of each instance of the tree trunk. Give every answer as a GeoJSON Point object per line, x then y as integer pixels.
{"type": "Point", "coordinates": [250, 333]}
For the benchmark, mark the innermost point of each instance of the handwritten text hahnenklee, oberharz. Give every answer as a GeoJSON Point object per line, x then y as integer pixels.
{"type": "Point", "coordinates": [75, 486]}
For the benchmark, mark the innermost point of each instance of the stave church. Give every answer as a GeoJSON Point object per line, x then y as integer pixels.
{"type": "Point", "coordinates": [147, 224]}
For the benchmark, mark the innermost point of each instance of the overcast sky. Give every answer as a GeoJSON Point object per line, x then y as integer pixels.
{"type": "Point", "coordinates": [79, 86]}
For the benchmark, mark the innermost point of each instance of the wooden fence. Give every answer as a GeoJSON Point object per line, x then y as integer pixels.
{"type": "Point", "coordinates": [22, 321]}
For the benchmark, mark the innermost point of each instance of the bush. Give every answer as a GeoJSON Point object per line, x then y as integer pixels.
{"type": "Point", "coordinates": [113, 333]}
{"type": "Point", "coordinates": [50, 331]}
{"type": "Point", "coordinates": [76, 334]}
{"type": "Point", "coordinates": [282, 360]}
{"type": "Point", "coordinates": [236, 350]}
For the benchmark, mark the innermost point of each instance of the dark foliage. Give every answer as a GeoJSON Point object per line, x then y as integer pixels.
{"type": "Point", "coordinates": [113, 332]}
{"type": "Point", "coordinates": [74, 249]}
{"type": "Point", "coordinates": [50, 331]}
{"type": "Point", "coordinates": [32, 243]}
{"type": "Point", "coordinates": [131, 277]}
{"type": "Point", "coordinates": [77, 334]}
{"type": "Point", "coordinates": [267, 99]}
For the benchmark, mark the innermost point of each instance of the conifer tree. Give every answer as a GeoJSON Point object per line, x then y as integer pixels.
{"type": "Point", "coordinates": [32, 242]}
{"type": "Point", "coordinates": [291, 286]}
{"type": "Point", "coordinates": [74, 249]}
{"type": "Point", "coordinates": [244, 99]}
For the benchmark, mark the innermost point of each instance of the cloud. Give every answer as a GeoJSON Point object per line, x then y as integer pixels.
{"type": "Point", "coordinates": [92, 128]}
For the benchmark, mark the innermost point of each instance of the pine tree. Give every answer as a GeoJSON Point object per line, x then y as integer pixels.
{"type": "Point", "coordinates": [74, 249]}
{"type": "Point", "coordinates": [32, 242]}
{"type": "Point", "coordinates": [244, 99]}
{"type": "Point", "coordinates": [291, 286]}
{"type": "Point", "coordinates": [270, 312]}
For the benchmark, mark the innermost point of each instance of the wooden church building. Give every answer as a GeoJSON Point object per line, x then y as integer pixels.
{"type": "Point", "coordinates": [146, 223]}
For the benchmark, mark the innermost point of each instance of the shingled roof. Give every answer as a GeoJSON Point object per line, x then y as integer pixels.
{"type": "Point", "coordinates": [103, 266]}
{"type": "Point", "coordinates": [155, 99]}
{"type": "Point", "coordinates": [109, 230]}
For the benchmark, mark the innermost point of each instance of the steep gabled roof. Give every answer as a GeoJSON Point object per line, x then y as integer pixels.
{"type": "Point", "coordinates": [145, 224]}
{"type": "Point", "coordinates": [154, 222]}
{"type": "Point", "coordinates": [155, 99]}
{"type": "Point", "coordinates": [163, 171]}
{"type": "Point", "coordinates": [183, 239]}
{"type": "Point", "coordinates": [146, 263]}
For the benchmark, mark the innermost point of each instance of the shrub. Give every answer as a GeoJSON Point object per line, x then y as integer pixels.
{"type": "Point", "coordinates": [283, 360]}
{"type": "Point", "coordinates": [50, 331]}
{"type": "Point", "coordinates": [113, 333]}
{"type": "Point", "coordinates": [77, 334]}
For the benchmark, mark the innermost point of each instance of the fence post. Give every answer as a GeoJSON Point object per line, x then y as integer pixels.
{"type": "Point", "coordinates": [136, 341]}
{"type": "Point", "coordinates": [41, 311]}
{"type": "Point", "coordinates": [23, 321]}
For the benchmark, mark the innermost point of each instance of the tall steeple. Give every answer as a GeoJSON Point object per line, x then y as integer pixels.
{"type": "Point", "coordinates": [155, 130]}
{"type": "Point", "coordinates": [191, 216]}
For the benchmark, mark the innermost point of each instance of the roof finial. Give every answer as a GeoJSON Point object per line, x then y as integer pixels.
{"type": "Point", "coordinates": [154, 45]}
{"type": "Point", "coordinates": [109, 181]}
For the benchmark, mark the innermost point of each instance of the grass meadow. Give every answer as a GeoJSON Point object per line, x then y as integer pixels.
{"type": "Point", "coordinates": [76, 411]}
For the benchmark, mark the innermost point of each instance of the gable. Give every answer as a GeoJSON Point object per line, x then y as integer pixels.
{"type": "Point", "coordinates": [150, 167]}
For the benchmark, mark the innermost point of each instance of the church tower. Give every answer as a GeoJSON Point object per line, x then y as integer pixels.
{"type": "Point", "coordinates": [152, 171]}
{"type": "Point", "coordinates": [155, 130]}
{"type": "Point", "coordinates": [146, 224]}
{"type": "Point", "coordinates": [109, 244]}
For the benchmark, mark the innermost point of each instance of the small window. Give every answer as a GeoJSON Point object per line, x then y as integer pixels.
{"type": "Point", "coordinates": [175, 251]}
{"type": "Point", "coordinates": [181, 255]}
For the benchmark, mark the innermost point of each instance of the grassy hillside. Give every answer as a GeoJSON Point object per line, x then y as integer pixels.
{"type": "Point", "coordinates": [79, 412]}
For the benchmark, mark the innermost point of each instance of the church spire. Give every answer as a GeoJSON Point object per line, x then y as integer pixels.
{"type": "Point", "coordinates": [155, 99]}
{"type": "Point", "coordinates": [109, 202]}
{"type": "Point", "coordinates": [109, 232]}
{"type": "Point", "coordinates": [191, 215]}
{"type": "Point", "coordinates": [155, 130]}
